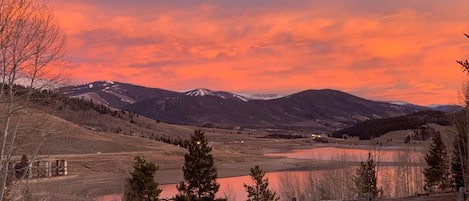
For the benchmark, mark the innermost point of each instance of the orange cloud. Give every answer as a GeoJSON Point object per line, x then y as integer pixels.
{"type": "Point", "coordinates": [392, 51]}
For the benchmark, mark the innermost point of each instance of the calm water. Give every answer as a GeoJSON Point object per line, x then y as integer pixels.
{"type": "Point", "coordinates": [390, 154]}
{"type": "Point", "coordinates": [395, 181]}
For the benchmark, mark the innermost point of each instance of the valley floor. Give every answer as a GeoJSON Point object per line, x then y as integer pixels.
{"type": "Point", "coordinates": [97, 174]}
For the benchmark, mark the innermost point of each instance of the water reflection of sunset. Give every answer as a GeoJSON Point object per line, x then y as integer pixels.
{"type": "Point", "coordinates": [395, 181]}
{"type": "Point", "coordinates": [402, 176]}
{"type": "Point", "coordinates": [401, 179]}
{"type": "Point", "coordinates": [348, 154]}
{"type": "Point", "coordinates": [230, 187]}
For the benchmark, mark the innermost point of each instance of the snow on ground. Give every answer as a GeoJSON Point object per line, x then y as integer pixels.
{"type": "Point", "coordinates": [200, 92]}
{"type": "Point", "coordinates": [262, 96]}
{"type": "Point", "coordinates": [241, 96]}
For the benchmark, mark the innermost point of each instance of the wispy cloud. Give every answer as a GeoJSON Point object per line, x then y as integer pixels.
{"type": "Point", "coordinates": [387, 50]}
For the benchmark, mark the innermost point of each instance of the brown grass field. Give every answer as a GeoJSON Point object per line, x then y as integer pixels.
{"type": "Point", "coordinates": [100, 161]}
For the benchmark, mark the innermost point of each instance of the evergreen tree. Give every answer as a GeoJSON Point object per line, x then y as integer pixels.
{"type": "Point", "coordinates": [200, 173]}
{"type": "Point", "coordinates": [365, 178]}
{"type": "Point", "coordinates": [141, 185]}
{"type": "Point", "coordinates": [259, 191]}
{"type": "Point", "coordinates": [437, 171]}
{"type": "Point", "coordinates": [21, 168]}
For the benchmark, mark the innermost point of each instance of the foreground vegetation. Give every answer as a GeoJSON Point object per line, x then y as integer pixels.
{"type": "Point", "coordinates": [200, 178]}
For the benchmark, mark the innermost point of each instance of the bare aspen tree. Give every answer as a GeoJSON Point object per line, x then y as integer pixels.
{"type": "Point", "coordinates": [31, 45]}
{"type": "Point", "coordinates": [406, 176]}
{"type": "Point", "coordinates": [289, 185]}
{"type": "Point", "coordinates": [229, 193]}
{"type": "Point", "coordinates": [309, 189]}
{"type": "Point", "coordinates": [336, 184]}
{"type": "Point", "coordinates": [461, 122]}
{"type": "Point", "coordinates": [300, 185]}
{"type": "Point", "coordinates": [317, 185]}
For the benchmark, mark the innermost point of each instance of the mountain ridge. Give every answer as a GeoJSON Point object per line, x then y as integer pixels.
{"type": "Point", "coordinates": [322, 110]}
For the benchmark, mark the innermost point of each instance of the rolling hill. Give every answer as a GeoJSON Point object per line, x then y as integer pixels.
{"type": "Point", "coordinates": [319, 110]}
{"type": "Point", "coordinates": [377, 127]}
{"type": "Point", "coordinates": [113, 94]}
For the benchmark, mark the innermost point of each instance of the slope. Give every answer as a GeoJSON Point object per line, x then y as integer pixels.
{"type": "Point", "coordinates": [113, 94]}
{"type": "Point", "coordinates": [320, 110]}
{"type": "Point", "coordinates": [377, 127]}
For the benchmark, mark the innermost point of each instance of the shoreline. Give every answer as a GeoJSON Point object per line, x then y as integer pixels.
{"type": "Point", "coordinates": [104, 174]}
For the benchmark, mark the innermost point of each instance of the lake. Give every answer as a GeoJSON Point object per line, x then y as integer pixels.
{"type": "Point", "coordinates": [357, 154]}
{"type": "Point", "coordinates": [398, 175]}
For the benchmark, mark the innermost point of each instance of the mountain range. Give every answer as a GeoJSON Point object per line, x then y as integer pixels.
{"type": "Point", "coordinates": [323, 110]}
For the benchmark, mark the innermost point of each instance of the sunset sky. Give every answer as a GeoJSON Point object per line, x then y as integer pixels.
{"type": "Point", "coordinates": [394, 50]}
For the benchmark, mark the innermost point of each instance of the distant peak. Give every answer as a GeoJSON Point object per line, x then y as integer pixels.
{"type": "Point", "coordinates": [200, 92]}
{"type": "Point", "coordinates": [98, 83]}
{"type": "Point", "coordinates": [263, 96]}
{"type": "Point", "coordinates": [221, 94]}
{"type": "Point", "coordinates": [105, 82]}
{"type": "Point", "coordinates": [399, 103]}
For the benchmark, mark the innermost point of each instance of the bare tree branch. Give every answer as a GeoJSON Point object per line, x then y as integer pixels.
{"type": "Point", "coordinates": [31, 45]}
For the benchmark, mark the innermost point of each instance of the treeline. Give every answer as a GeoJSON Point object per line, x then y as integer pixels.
{"type": "Point", "coordinates": [377, 127]}
{"type": "Point", "coordinates": [284, 136]}
{"type": "Point", "coordinates": [56, 101]}
{"type": "Point", "coordinates": [79, 104]}
{"type": "Point", "coordinates": [60, 102]}
{"type": "Point", "coordinates": [174, 141]}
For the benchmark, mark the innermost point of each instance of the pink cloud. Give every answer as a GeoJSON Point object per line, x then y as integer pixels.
{"type": "Point", "coordinates": [243, 46]}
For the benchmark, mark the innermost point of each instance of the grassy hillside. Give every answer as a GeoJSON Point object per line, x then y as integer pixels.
{"type": "Point", "coordinates": [54, 135]}
{"type": "Point", "coordinates": [377, 127]}
{"type": "Point", "coordinates": [99, 144]}
{"type": "Point", "coordinates": [77, 126]}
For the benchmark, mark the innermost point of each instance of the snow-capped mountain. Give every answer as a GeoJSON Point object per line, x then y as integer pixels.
{"type": "Point", "coordinates": [113, 94]}
{"type": "Point", "coordinates": [200, 92]}
{"type": "Point", "coordinates": [320, 110]}
{"type": "Point", "coordinates": [221, 94]}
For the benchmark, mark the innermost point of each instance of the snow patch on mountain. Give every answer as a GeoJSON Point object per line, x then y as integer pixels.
{"type": "Point", "coordinates": [220, 94]}
{"type": "Point", "coordinates": [98, 85]}
{"type": "Point", "coordinates": [399, 103]}
{"type": "Point", "coordinates": [225, 95]}
{"type": "Point", "coordinates": [200, 92]}
{"type": "Point", "coordinates": [92, 96]}
{"type": "Point", "coordinates": [122, 97]}
{"type": "Point", "coordinates": [263, 96]}
{"type": "Point", "coordinates": [241, 97]}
